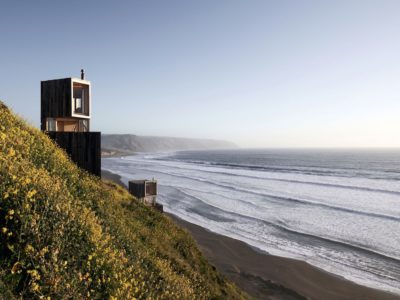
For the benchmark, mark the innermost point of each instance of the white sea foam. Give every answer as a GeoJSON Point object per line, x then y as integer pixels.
{"type": "Point", "coordinates": [347, 225]}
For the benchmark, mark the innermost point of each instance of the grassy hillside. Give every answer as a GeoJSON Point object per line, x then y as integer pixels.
{"type": "Point", "coordinates": [67, 235]}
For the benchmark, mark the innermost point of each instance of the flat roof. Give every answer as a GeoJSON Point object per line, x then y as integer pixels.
{"type": "Point", "coordinates": [74, 79]}
{"type": "Point", "coordinates": [142, 181]}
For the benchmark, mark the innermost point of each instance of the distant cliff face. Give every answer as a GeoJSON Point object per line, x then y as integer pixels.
{"type": "Point", "coordinates": [133, 143]}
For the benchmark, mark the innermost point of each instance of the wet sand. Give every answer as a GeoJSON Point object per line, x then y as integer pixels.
{"type": "Point", "coordinates": [265, 276]}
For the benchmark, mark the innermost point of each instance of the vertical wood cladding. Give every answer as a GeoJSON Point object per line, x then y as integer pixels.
{"type": "Point", "coordinates": [55, 99]}
{"type": "Point", "coordinates": [137, 189]}
{"type": "Point", "coordinates": [82, 147]}
{"type": "Point", "coordinates": [143, 188]}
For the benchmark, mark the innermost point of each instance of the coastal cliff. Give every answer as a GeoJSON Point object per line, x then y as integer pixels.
{"type": "Point", "coordinates": [68, 235]}
{"type": "Point", "coordinates": [129, 143]}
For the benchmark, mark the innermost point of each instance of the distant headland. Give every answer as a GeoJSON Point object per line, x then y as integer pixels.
{"type": "Point", "coordinates": [129, 143]}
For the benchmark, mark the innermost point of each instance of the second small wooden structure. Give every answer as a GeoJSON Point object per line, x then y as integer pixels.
{"type": "Point", "coordinates": [146, 192]}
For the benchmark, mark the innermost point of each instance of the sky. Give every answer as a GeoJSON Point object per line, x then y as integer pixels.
{"type": "Point", "coordinates": [257, 73]}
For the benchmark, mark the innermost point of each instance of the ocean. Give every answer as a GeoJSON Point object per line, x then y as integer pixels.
{"type": "Point", "coordinates": [338, 210]}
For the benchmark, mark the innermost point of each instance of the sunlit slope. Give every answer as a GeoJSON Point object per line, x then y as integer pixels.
{"type": "Point", "coordinates": [65, 234]}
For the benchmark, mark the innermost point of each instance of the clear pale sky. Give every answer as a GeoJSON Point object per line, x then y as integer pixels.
{"type": "Point", "coordinates": [258, 73]}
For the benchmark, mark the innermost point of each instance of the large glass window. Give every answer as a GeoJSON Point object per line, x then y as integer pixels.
{"type": "Point", "coordinates": [81, 99]}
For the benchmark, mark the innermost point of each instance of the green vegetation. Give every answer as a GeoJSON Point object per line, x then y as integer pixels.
{"type": "Point", "coordinates": [67, 235]}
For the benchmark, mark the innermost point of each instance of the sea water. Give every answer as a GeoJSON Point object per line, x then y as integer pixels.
{"type": "Point", "coordinates": [338, 210]}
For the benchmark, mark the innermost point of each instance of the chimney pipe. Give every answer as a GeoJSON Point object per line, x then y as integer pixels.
{"type": "Point", "coordinates": [82, 74]}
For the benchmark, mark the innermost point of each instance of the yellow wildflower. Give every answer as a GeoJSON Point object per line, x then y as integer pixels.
{"type": "Point", "coordinates": [29, 248]}
{"type": "Point", "coordinates": [44, 251]}
{"type": "Point", "coordinates": [35, 287]}
{"type": "Point", "coordinates": [34, 274]}
{"type": "Point", "coordinates": [11, 152]}
{"type": "Point", "coordinates": [4, 229]}
{"type": "Point", "coordinates": [31, 193]}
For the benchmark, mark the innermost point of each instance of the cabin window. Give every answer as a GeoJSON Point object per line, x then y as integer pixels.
{"type": "Point", "coordinates": [81, 99]}
{"type": "Point", "coordinates": [151, 188]}
{"type": "Point", "coordinates": [78, 104]}
{"type": "Point", "coordinates": [84, 125]}
{"type": "Point", "coordinates": [51, 124]}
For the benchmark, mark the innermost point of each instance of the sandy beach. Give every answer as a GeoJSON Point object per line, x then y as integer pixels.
{"type": "Point", "coordinates": [265, 276]}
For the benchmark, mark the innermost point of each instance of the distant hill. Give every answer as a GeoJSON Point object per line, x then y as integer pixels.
{"type": "Point", "coordinates": [134, 143]}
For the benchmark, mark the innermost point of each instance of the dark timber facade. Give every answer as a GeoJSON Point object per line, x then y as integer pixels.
{"type": "Point", "coordinates": [65, 116]}
{"type": "Point", "coordinates": [146, 192]}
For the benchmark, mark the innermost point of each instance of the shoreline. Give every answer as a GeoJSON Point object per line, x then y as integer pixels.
{"type": "Point", "coordinates": [265, 276]}
{"type": "Point", "coordinates": [260, 274]}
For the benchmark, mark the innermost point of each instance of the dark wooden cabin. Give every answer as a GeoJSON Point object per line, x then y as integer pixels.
{"type": "Point", "coordinates": [146, 192]}
{"type": "Point", "coordinates": [65, 116]}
